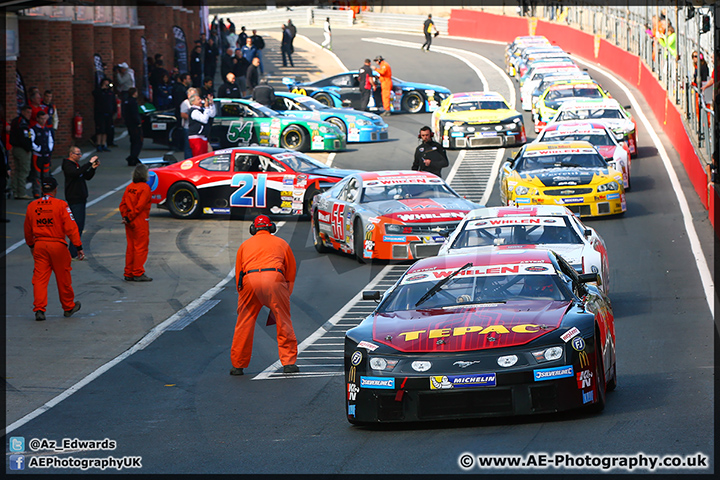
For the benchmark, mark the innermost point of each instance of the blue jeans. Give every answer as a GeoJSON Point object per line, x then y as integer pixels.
{"type": "Point", "coordinates": [78, 211]}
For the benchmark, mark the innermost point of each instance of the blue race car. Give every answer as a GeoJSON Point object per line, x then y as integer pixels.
{"type": "Point", "coordinates": [358, 126]}
{"type": "Point", "coordinates": [343, 90]}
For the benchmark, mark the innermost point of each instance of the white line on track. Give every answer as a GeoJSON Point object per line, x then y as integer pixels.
{"type": "Point", "coordinates": [330, 159]}
{"type": "Point", "coordinates": [695, 246]}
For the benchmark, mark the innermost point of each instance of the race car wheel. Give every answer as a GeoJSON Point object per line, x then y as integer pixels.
{"type": "Point", "coordinates": [324, 98]}
{"type": "Point", "coordinates": [317, 241]}
{"type": "Point", "coordinates": [612, 384]}
{"type": "Point", "coordinates": [294, 138]}
{"type": "Point", "coordinates": [413, 102]}
{"type": "Point", "coordinates": [338, 123]}
{"type": "Point", "coordinates": [358, 240]}
{"type": "Point", "coordinates": [182, 200]}
{"type": "Point", "coordinates": [307, 204]}
{"type": "Point", "coordinates": [599, 377]}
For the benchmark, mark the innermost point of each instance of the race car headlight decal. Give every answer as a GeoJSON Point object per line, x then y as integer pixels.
{"type": "Point", "coordinates": [520, 190]}
{"type": "Point", "coordinates": [392, 228]}
{"type": "Point", "coordinates": [363, 123]}
{"type": "Point", "coordinates": [421, 365]}
{"type": "Point", "coordinates": [324, 129]}
{"type": "Point", "coordinates": [608, 187]}
{"type": "Point", "coordinates": [379, 363]}
{"type": "Point", "coordinates": [548, 355]}
{"type": "Point", "coordinates": [498, 127]}
{"type": "Point", "coordinates": [507, 360]}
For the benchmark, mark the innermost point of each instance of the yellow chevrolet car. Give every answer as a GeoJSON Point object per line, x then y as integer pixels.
{"type": "Point", "coordinates": [477, 119]}
{"type": "Point", "coordinates": [572, 174]}
{"type": "Point", "coordinates": [550, 100]}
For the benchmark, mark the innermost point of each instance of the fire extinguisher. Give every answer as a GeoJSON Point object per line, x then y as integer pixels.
{"type": "Point", "coordinates": [119, 109]}
{"type": "Point", "coordinates": [77, 125]}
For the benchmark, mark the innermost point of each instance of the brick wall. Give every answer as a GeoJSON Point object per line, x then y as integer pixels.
{"type": "Point", "coordinates": [10, 102]}
{"type": "Point", "coordinates": [103, 40]}
{"type": "Point", "coordinates": [34, 38]}
{"type": "Point", "coordinates": [136, 56]}
{"type": "Point", "coordinates": [121, 46]}
{"type": "Point", "coordinates": [59, 56]}
{"type": "Point", "coordinates": [83, 40]}
{"type": "Point", "coordinates": [159, 22]}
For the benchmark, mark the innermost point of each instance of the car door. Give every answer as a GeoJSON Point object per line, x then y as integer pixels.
{"type": "Point", "coordinates": [234, 125]}
{"type": "Point", "coordinates": [261, 182]}
{"type": "Point", "coordinates": [348, 87]}
{"type": "Point", "coordinates": [341, 213]}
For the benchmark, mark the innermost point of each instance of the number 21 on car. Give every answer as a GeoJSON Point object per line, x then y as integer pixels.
{"type": "Point", "coordinates": [242, 196]}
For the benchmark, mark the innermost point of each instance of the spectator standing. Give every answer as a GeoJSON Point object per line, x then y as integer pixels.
{"type": "Point", "coordinates": [265, 271]}
{"type": "Point", "coordinates": [50, 108]}
{"type": "Point", "coordinates": [430, 156]}
{"type": "Point", "coordinates": [156, 77]}
{"type": "Point", "coordinates": [229, 89]}
{"type": "Point", "coordinates": [327, 32]}
{"type": "Point", "coordinates": [163, 93]}
{"type": "Point", "coordinates": [228, 62]}
{"type": "Point", "coordinates": [76, 190]}
{"type": "Point", "coordinates": [428, 28]}
{"type": "Point", "coordinates": [259, 44]}
{"type": "Point", "coordinates": [43, 144]}
{"type": "Point", "coordinates": [22, 147]}
{"type": "Point", "coordinates": [293, 29]}
{"type": "Point", "coordinates": [240, 70]}
{"type": "Point", "coordinates": [131, 117]}
{"type": "Point", "coordinates": [105, 108]}
{"type": "Point", "coordinates": [242, 37]}
{"type": "Point", "coordinates": [264, 93]}
{"type": "Point", "coordinates": [207, 88]}
{"type": "Point", "coordinates": [125, 80]}
{"type": "Point", "coordinates": [48, 221]}
{"type": "Point", "coordinates": [253, 75]}
{"type": "Point", "coordinates": [35, 102]}
{"type": "Point", "coordinates": [286, 46]}
{"type": "Point", "coordinates": [249, 51]}
{"type": "Point", "coordinates": [201, 111]}
{"type": "Point", "coordinates": [135, 212]}
{"type": "Point", "coordinates": [385, 73]}
{"type": "Point", "coordinates": [179, 95]}
{"type": "Point", "coordinates": [196, 66]}
{"type": "Point", "coordinates": [211, 56]}
{"type": "Point", "coordinates": [366, 80]}
{"type": "Point", "coordinates": [232, 37]}
{"type": "Point", "coordinates": [185, 116]}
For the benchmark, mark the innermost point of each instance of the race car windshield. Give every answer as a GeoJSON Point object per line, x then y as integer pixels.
{"type": "Point", "coordinates": [491, 231]}
{"type": "Point", "coordinates": [307, 103]}
{"type": "Point", "coordinates": [477, 105]}
{"type": "Point", "coordinates": [581, 160]}
{"type": "Point", "coordinates": [382, 193]}
{"type": "Point", "coordinates": [563, 93]}
{"type": "Point", "coordinates": [597, 139]}
{"type": "Point", "coordinates": [299, 162]}
{"type": "Point", "coordinates": [585, 114]}
{"type": "Point", "coordinates": [464, 291]}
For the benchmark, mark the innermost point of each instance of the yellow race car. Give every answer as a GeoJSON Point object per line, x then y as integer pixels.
{"type": "Point", "coordinates": [477, 119]}
{"type": "Point", "coordinates": [572, 174]}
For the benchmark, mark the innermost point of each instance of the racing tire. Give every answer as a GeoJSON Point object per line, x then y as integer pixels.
{"type": "Point", "coordinates": [317, 242]}
{"type": "Point", "coordinates": [307, 203]}
{"type": "Point", "coordinates": [325, 99]}
{"type": "Point", "coordinates": [338, 123]}
{"type": "Point", "coordinates": [183, 201]}
{"type": "Point", "coordinates": [294, 138]}
{"type": "Point", "coordinates": [413, 102]}
{"type": "Point", "coordinates": [612, 384]}
{"type": "Point", "coordinates": [358, 239]}
{"type": "Point", "coordinates": [599, 379]}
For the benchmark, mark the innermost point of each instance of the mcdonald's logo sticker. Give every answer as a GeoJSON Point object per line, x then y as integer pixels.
{"type": "Point", "coordinates": [584, 362]}
{"type": "Point", "coordinates": [351, 375]}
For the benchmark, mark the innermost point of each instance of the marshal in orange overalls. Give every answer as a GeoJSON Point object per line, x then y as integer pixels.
{"type": "Point", "coordinates": [135, 206]}
{"type": "Point", "coordinates": [48, 221]}
{"type": "Point", "coordinates": [385, 73]}
{"type": "Point", "coordinates": [271, 288]}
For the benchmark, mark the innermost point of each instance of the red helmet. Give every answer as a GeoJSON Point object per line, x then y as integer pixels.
{"type": "Point", "coordinates": [262, 222]}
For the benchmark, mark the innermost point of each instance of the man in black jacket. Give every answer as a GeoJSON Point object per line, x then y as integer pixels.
{"type": "Point", "coordinates": [430, 156]}
{"type": "Point", "coordinates": [179, 95]}
{"type": "Point", "coordinates": [253, 75]}
{"type": "Point", "coordinates": [211, 56]}
{"type": "Point", "coordinates": [105, 108]}
{"type": "Point", "coordinates": [229, 89]}
{"type": "Point", "coordinates": [228, 62]}
{"type": "Point", "coordinates": [131, 116]}
{"type": "Point", "coordinates": [76, 191]}
{"type": "Point", "coordinates": [196, 65]}
{"type": "Point", "coordinates": [367, 84]}
{"type": "Point", "coordinates": [21, 151]}
{"type": "Point", "coordinates": [264, 93]}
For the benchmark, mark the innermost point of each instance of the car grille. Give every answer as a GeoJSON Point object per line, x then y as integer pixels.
{"type": "Point", "coordinates": [379, 136]}
{"type": "Point", "coordinates": [427, 229]}
{"type": "Point", "coordinates": [544, 398]}
{"type": "Point", "coordinates": [603, 208]}
{"type": "Point", "coordinates": [337, 144]}
{"type": "Point", "coordinates": [582, 210]}
{"type": "Point", "coordinates": [569, 191]}
{"type": "Point", "coordinates": [423, 250]}
{"type": "Point", "coordinates": [399, 251]}
{"type": "Point", "coordinates": [495, 141]}
{"type": "Point", "coordinates": [437, 405]}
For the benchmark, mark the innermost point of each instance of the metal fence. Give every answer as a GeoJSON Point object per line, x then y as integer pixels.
{"type": "Point", "coordinates": [400, 22]}
{"type": "Point", "coordinates": [300, 16]}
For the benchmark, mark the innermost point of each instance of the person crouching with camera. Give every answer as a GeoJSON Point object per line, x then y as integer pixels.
{"type": "Point", "coordinates": [201, 111]}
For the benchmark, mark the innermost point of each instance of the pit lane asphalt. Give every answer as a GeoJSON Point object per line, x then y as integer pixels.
{"type": "Point", "coordinates": [174, 404]}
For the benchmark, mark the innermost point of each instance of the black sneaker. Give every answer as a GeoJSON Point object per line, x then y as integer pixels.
{"type": "Point", "coordinates": [292, 368]}
{"type": "Point", "coordinates": [129, 279]}
{"type": "Point", "coordinates": [236, 371]}
{"type": "Point", "coordinates": [142, 278]}
{"type": "Point", "coordinates": [69, 313]}
{"type": "Point", "coordinates": [39, 315]}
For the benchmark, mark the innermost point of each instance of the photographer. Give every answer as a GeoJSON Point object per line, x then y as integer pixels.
{"type": "Point", "coordinates": [201, 111]}
{"type": "Point", "coordinates": [76, 190]}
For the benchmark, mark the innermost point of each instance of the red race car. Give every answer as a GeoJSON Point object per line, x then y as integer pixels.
{"type": "Point", "coordinates": [235, 180]}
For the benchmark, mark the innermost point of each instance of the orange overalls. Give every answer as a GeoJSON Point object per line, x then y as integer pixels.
{"type": "Point", "coordinates": [385, 73]}
{"type": "Point", "coordinates": [48, 221]}
{"type": "Point", "coordinates": [135, 205]}
{"type": "Point", "coordinates": [271, 288]}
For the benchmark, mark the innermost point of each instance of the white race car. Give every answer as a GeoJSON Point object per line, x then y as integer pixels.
{"type": "Point", "coordinates": [550, 227]}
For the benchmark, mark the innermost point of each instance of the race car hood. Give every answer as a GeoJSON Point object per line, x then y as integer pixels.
{"type": "Point", "coordinates": [471, 328]}
{"type": "Point", "coordinates": [572, 253]}
{"type": "Point", "coordinates": [421, 86]}
{"type": "Point", "coordinates": [560, 177]}
{"type": "Point", "coordinates": [607, 151]}
{"type": "Point", "coordinates": [618, 124]}
{"type": "Point", "coordinates": [332, 172]}
{"type": "Point", "coordinates": [480, 116]}
{"type": "Point", "coordinates": [422, 210]}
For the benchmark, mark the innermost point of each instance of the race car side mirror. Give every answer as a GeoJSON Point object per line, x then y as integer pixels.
{"type": "Point", "coordinates": [627, 107]}
{"type": "Point", "coordinates": [288, 81]}
{"type": "Point", "coordinates": [589, 278]}
{"type": "Point", "coordinates": [619, 136]}
{"type": "Point", "coordinates": [506, 166]}
{"type": "Point", "coordinates": [588, 233]}
{"type": "Point", "coordinates": [371, 295]}
{"type": "Point", "coordinates": [445, 232]}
